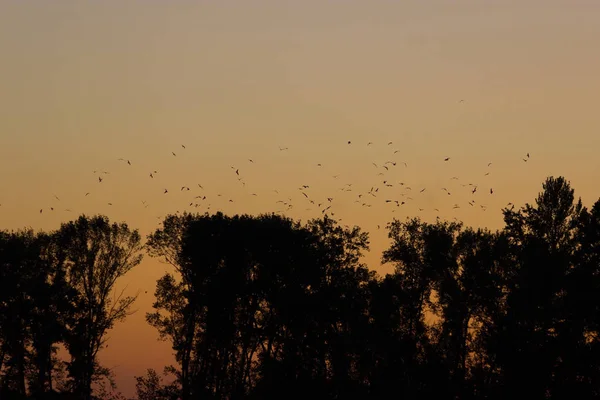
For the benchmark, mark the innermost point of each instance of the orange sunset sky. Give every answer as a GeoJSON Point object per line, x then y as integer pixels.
{"type": "Point", "coordinates": [84, 83]}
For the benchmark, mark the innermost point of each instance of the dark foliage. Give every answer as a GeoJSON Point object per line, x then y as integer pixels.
{"type": "Point", "coordinates": [265, 307]}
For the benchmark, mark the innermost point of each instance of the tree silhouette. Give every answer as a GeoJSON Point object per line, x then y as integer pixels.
{"type": "Point", "coordinates": [17, 256]}
{"type": "Point", "coordinates": [33, 293]}
{"type": "Point", "coordinates": [95, 254]}
{"type": "Point", "coordinates": [151, 387]}
{"type": "Point", "coordinates": [256, 289]}
{"type": "Point", "coordinates": [267, 307]}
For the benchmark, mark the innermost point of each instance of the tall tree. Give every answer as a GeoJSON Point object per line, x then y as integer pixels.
{"type": "Point", "coordinates": [542, 244]}
{"type": "Point", "coordinates": [247, 312]}
{"type": "Point", "coordinates": [96, 253]}
{"type": "Point", "coordinates": [51, 306]}
{"type": "Point", "coordinates": [174, 317]}
{"type": "Point", "coordinates": [18, 258]}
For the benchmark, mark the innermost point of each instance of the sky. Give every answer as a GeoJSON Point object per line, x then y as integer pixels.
{"type": "Point", "coordinates": [86, 83]}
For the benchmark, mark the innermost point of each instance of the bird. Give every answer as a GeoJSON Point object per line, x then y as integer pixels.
{"type": "Point", "coordinates": [174, 155]}
{"type": "Point", "coordinates": [87, 193]}
{"type": "Point", "coordinates": [166, 191]}
{"type": "Point", "coordinates": [100, 179]}
{"type": "Point", "coordinates": [491, 191]}
{"type": "Point", "coordinates": [349, 142]}
{"type": "Point", "coordinates": [183, 146]}
{"type": "Point", "coordinates": [447, 159]}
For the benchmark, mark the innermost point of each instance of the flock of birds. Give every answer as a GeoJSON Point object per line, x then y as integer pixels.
{"type": "Point", "coordinates": [386, 192]}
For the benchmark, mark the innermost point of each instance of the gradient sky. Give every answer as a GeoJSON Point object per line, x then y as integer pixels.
{"type": "Point", "coordinates": [86, 83]}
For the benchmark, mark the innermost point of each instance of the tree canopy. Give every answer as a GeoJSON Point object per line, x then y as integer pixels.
{"type": "Point", "coordinates": [267, 307]}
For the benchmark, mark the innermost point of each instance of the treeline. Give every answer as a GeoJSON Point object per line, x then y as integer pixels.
{"type": "Point", "coordinates": [267, 307]}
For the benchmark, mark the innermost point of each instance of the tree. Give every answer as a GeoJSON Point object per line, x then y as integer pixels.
{"type": "Point", "coordinates": [151, 387]}
{"type": "Point", "coordinates": [17, 260]}
{"type": "Point", "coordinates": [542, 245]}
{"type": "Point", "coordinates": [246, 314]}
{"type": "Point", "coordinates": [175, 318]}
{"type": "Point", "coordinates": [96, 253]}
